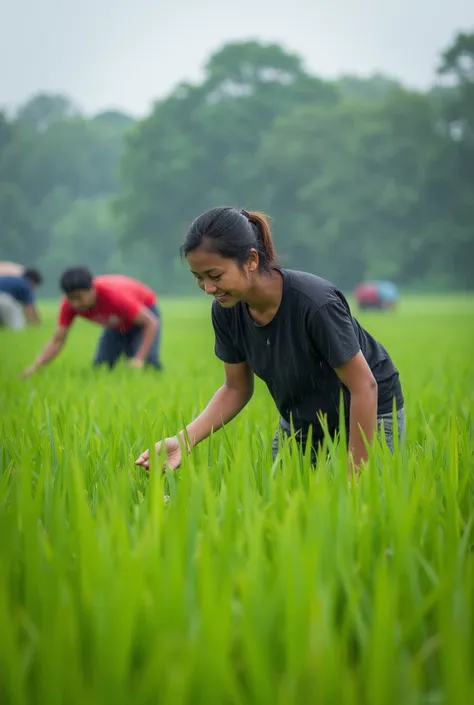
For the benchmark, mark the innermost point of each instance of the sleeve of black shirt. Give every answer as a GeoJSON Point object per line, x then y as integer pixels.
{"type": "Point", "coordinates": [332, 332]}
{"type": "Point", "coordinates": [224, 347]}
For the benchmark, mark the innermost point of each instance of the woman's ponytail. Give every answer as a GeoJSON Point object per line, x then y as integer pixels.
{"type": "Point", "coordinates": [260, 221]}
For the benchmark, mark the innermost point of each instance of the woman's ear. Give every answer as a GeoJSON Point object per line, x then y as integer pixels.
{"type": "Point", "coordinates": [252, 262]}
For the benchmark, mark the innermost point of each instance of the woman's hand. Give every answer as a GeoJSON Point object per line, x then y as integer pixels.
{"type": "Point", "coordinates": [173, 451]}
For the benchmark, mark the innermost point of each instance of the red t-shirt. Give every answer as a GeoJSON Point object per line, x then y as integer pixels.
{"type": "Point", "coordinates": [119, 299]}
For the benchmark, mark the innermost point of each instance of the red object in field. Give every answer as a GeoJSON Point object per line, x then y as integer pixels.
{"type": "Point", "coordinates": [366, 294]}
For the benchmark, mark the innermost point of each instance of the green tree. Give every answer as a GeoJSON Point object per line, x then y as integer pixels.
{"type": "Point", "coordinates": [6, 132]}
{"type": "Point", "coordinates": [375, 87]}
{"type": "Point", "coordinates": [71, 159]}
{"type": "Point", "coordinates": [458, 64]}
{"type": "Point", "coordinates": [44, 109]}
{"type": "Point", "coordinates": [83, 236]}
{"type": "Point", "coordinates": [198, 147]}
{"type": "Point", "coordinates": [18, 237]}
{"type": "Point", "coordinates": [457, 164]}
{"type": "Point", "coordinates": [362, 177]}
{"type": "Point", "coordinates": [348, 201]}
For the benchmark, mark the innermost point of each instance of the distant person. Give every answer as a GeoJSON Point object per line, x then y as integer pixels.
{"type": "Point", "coordinates": [292, 329]}
{"type": "Point", "coordinates": [367, 296]}
{"type": "Point", "coordinates": [381, 295]}
{"type": "Point", "coordinates": [17, 299]}
{"type": "Point", "coordinates": [126, 308]}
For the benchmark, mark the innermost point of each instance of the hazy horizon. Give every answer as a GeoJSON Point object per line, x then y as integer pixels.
{"type": "Point", "coordinates": [124, 57]}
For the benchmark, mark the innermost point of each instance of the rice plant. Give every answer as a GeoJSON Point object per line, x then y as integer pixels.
{"type": "Point", "coordinates": [257, 582]}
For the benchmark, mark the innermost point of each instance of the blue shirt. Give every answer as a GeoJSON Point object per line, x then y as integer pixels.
{"type": "Point", "coordinates": [18, 287]}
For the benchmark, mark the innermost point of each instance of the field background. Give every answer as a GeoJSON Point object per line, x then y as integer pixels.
{"type": "Point", "coordinates": [251, 585]}
{"type": "Point", "coordinates": [430, 339]}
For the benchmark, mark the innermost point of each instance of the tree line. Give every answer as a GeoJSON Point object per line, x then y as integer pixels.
{"type": "Point", "coordinates": [362, 177]}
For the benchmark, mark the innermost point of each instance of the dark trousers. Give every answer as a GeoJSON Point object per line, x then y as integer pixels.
{"type": "Point", "coordinates": [113, 343]}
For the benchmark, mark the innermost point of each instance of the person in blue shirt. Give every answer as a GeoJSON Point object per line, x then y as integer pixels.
{"type": "Point", "coordinates": [17, 299]}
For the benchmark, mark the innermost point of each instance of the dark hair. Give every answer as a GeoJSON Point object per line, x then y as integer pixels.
{"type": "Point", "coordinates": [76, 278]}
{"type": "Point", "coordinates": [34, 275]}
{"type": "Point", "coordinates": [232, 233]}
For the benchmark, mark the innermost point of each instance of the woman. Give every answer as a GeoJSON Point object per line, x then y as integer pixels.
{"type": "Point", "coordinates": [292, 329]}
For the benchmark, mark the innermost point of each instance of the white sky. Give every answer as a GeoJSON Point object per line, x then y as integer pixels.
{"type": "Point", "coordinates": [125, 53]}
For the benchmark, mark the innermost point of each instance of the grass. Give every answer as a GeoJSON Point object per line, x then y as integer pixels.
{"type": "Point", "coordinates": [252, 585]}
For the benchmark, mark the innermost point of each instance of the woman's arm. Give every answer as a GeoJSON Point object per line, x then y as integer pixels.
{"type": "Point", "coordinates": [227, 402]}
{"type": "Point", "coordinates": [357, 376]}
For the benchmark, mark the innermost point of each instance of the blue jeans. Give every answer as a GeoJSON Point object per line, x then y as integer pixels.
{"type": "Point", "coordinates": [113, 343]}
{"type": "Point", "coordinates": [384, 425]}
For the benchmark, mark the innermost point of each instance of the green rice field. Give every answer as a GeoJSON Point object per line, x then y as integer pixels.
{"type": "Point", "coordinates": [256, 583]}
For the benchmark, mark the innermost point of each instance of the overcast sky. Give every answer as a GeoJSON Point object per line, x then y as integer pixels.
{"type": "Point", "coordinates": [125, 53]}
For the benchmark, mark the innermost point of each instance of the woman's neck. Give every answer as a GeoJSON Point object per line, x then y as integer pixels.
{"type": "Point", "coordinates": [264, 297]}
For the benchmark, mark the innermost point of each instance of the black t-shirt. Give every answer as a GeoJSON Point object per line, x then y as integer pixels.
{"type": "Point", "coordinates": [295, 354]}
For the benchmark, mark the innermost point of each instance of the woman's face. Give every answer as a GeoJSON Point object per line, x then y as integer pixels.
{"type": "Point", "coordinates": [221, 277]}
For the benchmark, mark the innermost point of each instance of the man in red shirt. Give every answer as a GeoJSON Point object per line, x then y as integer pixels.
{"type": "Point", "coordinates": [126, 308]}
